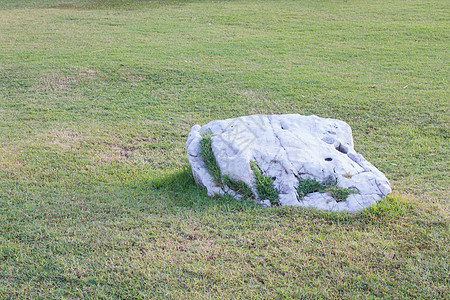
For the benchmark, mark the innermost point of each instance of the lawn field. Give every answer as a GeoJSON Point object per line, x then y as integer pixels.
{"type": "Point", "coordinates": [97, 99]}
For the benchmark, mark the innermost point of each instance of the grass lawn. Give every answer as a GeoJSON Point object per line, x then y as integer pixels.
{"type": "Point", "coordinates": [97, 99]}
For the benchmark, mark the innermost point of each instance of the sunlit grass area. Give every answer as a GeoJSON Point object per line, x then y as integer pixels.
{"type": "Point", "coordinates": [97, 99]}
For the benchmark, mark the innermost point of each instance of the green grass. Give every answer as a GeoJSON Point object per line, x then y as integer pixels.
{"type": "Point", "coordinates": [97, 99]}
{"type": "Point", "coordinates": [339, 194]}
{"type": "Point", "coordinates": [264, 185]}
{"type": "Point", "coordinates": [239, 187]}
{"type": "Point", "coordinates": [209, 158]}
{"type": "Point", "coordinates": [306, 186]}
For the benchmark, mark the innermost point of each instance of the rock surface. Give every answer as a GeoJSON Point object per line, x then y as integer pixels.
{"type": "Point", "coordinates": [288, 148]}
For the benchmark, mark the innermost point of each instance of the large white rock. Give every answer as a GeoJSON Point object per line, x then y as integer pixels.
{"type": "Point", "coordinates": [288, 148]}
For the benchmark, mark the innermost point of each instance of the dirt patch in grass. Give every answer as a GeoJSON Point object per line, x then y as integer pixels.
{"type": "Point", "coordinates": [58, 80]}
{"type": "Point", "coordinates": [64, 138]}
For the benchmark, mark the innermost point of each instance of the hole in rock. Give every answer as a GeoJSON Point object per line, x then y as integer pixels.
{"type": "Point", "coordinates": [328, 159]}
{"type": "Point", "coordinates": [341, 148]}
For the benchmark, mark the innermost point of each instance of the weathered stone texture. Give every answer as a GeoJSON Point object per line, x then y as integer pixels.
{"type": "Point", "coordinates": [288, 148]}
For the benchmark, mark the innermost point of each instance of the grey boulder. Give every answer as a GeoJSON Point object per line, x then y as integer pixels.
{"type": "Point", "coordinates": [288, 149]}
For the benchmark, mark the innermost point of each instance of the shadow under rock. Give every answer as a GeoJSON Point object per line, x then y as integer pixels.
{"type": "Point", "coordinates": [179, 189]}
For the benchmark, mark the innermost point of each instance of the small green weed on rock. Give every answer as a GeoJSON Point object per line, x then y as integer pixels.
{"type": "Point", "coordinates": [209, 158]}
{"type": "Point", "coordinates": [309, 185]}
{"type": "Point", "coordinates": [264, 185]}
{"type": "Point", "coordinates": [339, 194]}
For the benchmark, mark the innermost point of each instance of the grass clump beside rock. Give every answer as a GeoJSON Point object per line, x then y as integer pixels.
{"type": "Point", "coordinates": [264, 185]}
{"type": "Point", "coordinates": [239, 187]}
{"type": "Point", "coordinates": [309, 185]}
